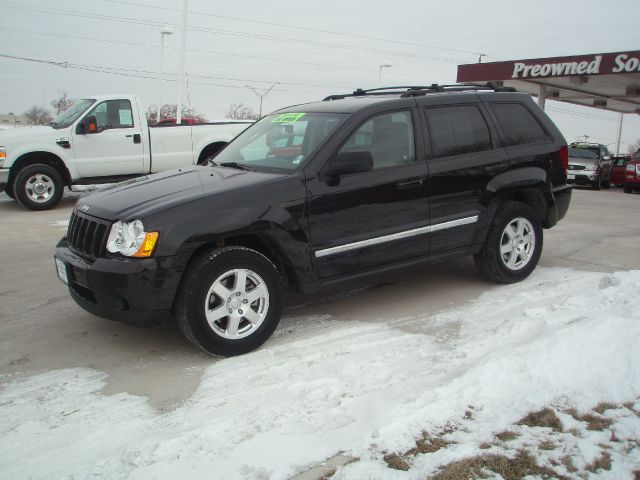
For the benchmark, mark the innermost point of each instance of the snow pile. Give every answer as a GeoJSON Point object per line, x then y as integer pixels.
{"type": "Point", "coordinates": [321, 387]}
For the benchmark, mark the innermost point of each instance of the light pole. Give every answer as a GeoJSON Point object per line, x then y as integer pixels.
{"type": "Point", "coordinates": [168, 30]}
{"type": "Point", "coordinates": [380, 67]}
{"type": "Point", "coordinates": [183, 47]}
{"type": "Point", "coordinates": [261, 95]}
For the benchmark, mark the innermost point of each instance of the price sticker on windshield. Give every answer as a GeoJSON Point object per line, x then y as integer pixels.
{"type": "Point", "coordinates": [288, 118]}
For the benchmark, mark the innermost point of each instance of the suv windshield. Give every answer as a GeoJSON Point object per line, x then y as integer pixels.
{"type": "Point", "coordinates": [577, 152]}
{"type": "Point", "coordinates": [71, 114]}
{"type": "Point", "coordinates": [281, 141]}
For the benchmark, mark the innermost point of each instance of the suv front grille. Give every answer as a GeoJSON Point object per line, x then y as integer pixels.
{"type": "Point", "coordinates": [87, 235]}
{"type": "Point", "coordinates": [576, 167]}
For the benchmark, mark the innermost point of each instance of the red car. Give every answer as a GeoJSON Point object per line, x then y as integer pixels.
{"type": "Point", "coordinates": [184, 121]}
{"type": "Point", "coordinates": [618, 169]}
{"type": "Point", "coordinates": [632, 174]}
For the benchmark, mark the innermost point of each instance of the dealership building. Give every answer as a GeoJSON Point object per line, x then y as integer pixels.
{"type": "Point", "coordinates": [607, 81]}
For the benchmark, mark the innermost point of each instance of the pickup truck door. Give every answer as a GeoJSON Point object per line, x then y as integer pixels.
{"type": "Point", "coordinates": [365, 220]}
{"type": "Point", "coordinates": [118, 145]}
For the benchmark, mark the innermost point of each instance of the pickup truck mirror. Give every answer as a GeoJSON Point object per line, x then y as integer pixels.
{"type": "Point", "coordinates": [88, 124]}
{"type": "Point", "coordinates": [349, 162]}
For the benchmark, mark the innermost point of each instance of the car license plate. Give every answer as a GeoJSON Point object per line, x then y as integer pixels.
{"type": "Point", "coordinates": [571, 175]}
{"type": "Point", "coordinates": [62, 271]}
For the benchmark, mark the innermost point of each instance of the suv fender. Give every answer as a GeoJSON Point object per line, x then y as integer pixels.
{"type": "Point", "coordinates": [276, 234]}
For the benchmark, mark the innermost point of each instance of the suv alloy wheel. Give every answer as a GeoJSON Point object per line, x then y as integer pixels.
{"type": "Point", "coordinates": [513, 245]}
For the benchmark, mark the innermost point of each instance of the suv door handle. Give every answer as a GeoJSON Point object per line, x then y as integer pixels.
{"type": "Point", "coordinates": [409, 184]}
{"type": "Point", "coordinates": [136, 137]}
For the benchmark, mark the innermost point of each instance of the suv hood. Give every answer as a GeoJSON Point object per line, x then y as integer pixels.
{"type": "Point", "coordinates": [143, 196]}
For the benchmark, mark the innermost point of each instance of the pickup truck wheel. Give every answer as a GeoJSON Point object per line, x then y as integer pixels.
{"type": "Point", "coordinates": [513, 245]}
{"type": "Point", "coordinates": [230, 301]}
{"type": "Point", "coordinates": [38, 187]}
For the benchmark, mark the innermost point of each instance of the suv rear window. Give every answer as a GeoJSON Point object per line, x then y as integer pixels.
{"type": "Point", "coordinates": [518, 124]}
{"type": "Point", "coordinates": [457, 130]}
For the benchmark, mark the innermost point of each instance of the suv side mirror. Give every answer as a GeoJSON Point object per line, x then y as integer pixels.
{"type": "Point", "coordinates": [349, 162]}
{"type": "Point", "coordinates": [88, 124]}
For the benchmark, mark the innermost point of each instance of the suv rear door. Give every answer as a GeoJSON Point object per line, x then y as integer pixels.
{"type": "Point", "coordinates": [463, 156]}
{"type": "Point", "coordinates": [377, 217]}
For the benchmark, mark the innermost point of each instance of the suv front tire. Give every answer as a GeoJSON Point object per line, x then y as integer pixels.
{"type": "Point", "coordinates": [230, 301]}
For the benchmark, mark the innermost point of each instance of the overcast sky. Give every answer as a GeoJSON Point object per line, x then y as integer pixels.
{"type": "Point", "coordinates": [311, 49]}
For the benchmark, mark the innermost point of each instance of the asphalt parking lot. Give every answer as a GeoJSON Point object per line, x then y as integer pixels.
{"type": "Point", "coordinates": [42, 329]}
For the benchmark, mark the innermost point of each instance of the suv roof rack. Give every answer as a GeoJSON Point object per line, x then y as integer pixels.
{"type": "Point", "coordinates": [594, 144]}
{"type": "Point", "coordinates": [415, 91]}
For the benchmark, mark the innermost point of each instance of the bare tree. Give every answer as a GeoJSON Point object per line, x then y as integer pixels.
{"type": "Point", "coordinates": [170, 111]}
{"type": "Point", "coordinates": [38, 115]}
{"type": "Point", "coordinates": [634, 147]}
{"type": "Point", "coordinates": [237, 111]}
{"type": "Point", "coordinates": [63, 102]}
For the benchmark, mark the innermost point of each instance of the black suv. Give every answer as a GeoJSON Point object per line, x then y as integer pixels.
{"type": "Point", "coordinates": [589, 164]}
{"type": "Point", "coordinates": [316, 194]}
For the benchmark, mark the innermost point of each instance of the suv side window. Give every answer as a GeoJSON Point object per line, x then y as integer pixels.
{"type": "Point", "coordinates": [113, 114]}
{"type": "Point", "coordinates": [457, 130]}
{"type": "Point", "coordinates": [389, 138]}
{"type": "Point", "coordinates": [518, 124]}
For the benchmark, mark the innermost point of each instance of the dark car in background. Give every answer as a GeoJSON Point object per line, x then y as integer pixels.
{"type": "Point", "coordinates": [589, 164]}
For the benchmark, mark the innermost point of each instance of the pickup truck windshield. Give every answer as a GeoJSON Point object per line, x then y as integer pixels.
{"type": "Point", "coordinates": [283, 141]}
{"type": "Point", "coordinates": [71, 114]}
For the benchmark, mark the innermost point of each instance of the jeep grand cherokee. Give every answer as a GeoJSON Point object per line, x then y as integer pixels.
{"type": "Point", "coordinates": [379, 179]}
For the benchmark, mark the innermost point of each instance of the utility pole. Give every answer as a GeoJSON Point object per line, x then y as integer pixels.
{"type": "Point", "coordinates": [168, 30]}
{"type": "Point", "coordinates": [261, 95]}
{"type": "Point", "coordinates": [183, 47]}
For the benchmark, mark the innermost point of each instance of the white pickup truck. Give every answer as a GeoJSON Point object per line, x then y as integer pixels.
{"type": "Point", "coordinates": [103, 139]}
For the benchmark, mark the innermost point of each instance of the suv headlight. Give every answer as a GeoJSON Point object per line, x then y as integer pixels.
{"type": "Point", "coordinates": [590, 167]}
{"type": "Point", "coordinates": [130, 239]}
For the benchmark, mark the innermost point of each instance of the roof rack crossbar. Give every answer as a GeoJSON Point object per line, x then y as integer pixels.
{"type": "Point", "coordinates": [419, 90]}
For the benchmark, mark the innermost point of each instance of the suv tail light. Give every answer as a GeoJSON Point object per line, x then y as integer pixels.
{"type": "Point", "coordinates": [564, 158]}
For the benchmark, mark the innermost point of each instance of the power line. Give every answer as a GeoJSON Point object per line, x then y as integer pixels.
{"type": "Point", "coordinates": [580, 114]}
{"type": "Point", "coordinates": [214, 52]}
{"type": "Point", "coordinates": [219, 31]}
{"type": "Point", "coordinates": [298, 27]}
{"type": "Point", "coordinates": [123, 72]}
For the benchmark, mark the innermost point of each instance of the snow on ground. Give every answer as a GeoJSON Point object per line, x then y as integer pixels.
{"type": "Point", "coordinates": [561, 338]}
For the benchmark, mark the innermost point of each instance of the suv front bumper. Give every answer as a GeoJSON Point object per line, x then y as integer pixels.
{"type": "Point", "coordinates": [138, 292]}
{"type": "Point", "coordinates": [581, 178]}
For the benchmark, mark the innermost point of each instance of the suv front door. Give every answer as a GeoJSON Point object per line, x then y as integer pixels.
{"type": "Point", "coordinates": [364, 220]}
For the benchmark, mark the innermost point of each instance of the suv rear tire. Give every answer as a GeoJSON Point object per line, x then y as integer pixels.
{"type": "Point", "coordinates": [513, 245]}
{"type": "Point", "coordinates": [230, 301]}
